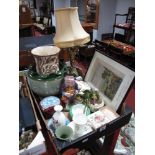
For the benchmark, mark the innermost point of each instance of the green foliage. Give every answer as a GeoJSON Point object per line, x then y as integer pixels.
{"type": "Point", "coordinates": [89, 97]}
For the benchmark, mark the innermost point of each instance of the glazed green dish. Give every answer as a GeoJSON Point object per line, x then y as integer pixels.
{"type": "Point", "coordinates": [34, 75]}
{"type": "Point", "coordinates": [45, 86]}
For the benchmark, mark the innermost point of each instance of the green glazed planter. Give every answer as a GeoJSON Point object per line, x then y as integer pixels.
{"type": "Point", "coordinates": [45, 86]}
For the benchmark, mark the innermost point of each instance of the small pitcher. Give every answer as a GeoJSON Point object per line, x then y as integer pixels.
{"type": "Point", "coordinates": [59, 119]}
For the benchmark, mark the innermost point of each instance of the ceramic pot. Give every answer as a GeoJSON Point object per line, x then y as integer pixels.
{"type": "Point", "coordinates": [45, 86]}
{"type": "Point", "coordinates": [46, 59]}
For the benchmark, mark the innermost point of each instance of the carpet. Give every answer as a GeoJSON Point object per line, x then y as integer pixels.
{"type": "Point", "coordinates": [126, 141]}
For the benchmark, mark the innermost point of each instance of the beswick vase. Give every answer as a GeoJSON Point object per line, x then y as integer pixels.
{"type": "Point", "coordinates": [46, 86]}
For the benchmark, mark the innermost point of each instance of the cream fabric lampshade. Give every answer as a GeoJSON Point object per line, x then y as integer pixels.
{"type": "Point", "coordinates": [69, 32]}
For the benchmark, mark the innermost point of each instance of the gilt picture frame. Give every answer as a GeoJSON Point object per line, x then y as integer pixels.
{"type": "Point", "coordinates": [110, 78]}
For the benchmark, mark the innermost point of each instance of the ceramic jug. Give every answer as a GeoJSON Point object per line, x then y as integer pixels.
{"type": "Point", "coordinates": [59, 119]}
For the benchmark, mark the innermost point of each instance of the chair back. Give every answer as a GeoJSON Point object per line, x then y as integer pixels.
{"type": "Point", "coordinates": [37, 19]}
{"type": "Point", "coordinates": [45, 21]}
{"type": "Point", "coordinates": [49, 22]}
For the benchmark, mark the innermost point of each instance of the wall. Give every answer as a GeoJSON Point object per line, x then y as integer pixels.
{"type": "Point", "coordinates": [73, 3]}
{"type": "Point", "coordinates": [106, 17]}
{"type": "Point", "coordinates": [81, 9]}
{"type": "Point", "coordinates": [61, 3]}
{"type": "Point", "coordinates": [123, 5]}
{"type": "Point", "coordinates": [122, 8]}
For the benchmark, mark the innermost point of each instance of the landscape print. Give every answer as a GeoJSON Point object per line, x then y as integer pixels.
{"type": "Point", "coordinates": [110, 83]}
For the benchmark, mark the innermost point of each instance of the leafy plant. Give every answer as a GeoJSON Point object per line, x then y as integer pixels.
{"type": "Point", "coordinates": [89, 97]}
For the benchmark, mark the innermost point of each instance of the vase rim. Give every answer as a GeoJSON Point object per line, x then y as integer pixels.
{"type": "Point", "coordinates": [45, 51]}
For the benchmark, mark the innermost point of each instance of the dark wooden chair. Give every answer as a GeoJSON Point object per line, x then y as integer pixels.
{"type": "Point", "coordinates": [44, 26]}
{"type": "Point", "coordinates": [128, 26]}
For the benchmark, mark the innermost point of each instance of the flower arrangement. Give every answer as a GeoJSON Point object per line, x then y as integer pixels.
{"type": "Point", "coordinates": [90, 98]}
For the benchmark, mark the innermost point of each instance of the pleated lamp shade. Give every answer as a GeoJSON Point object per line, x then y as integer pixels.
{"type": "Point", "coordinates": [69, 32]}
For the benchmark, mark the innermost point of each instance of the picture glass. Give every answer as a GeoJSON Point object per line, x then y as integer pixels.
{"type": "Point", "coordinates": [109, 81]}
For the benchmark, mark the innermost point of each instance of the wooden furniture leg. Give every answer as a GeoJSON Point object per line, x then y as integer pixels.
{"type": "Point", "coordinates": [110, 142]}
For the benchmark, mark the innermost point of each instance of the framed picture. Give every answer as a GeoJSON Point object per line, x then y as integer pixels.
{"type": "Point", "coordinates": [110, 78]}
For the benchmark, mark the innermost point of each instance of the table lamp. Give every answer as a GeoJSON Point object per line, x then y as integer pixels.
{"type": "Point", "coordinates": [69, 32]}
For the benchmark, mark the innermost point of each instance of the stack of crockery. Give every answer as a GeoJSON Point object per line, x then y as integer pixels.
{"type": "Point", "coordinates": [45, 78]}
